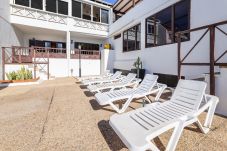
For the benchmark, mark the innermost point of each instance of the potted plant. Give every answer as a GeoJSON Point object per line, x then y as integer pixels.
{"type": "Point", "coordinates": [138, 68]}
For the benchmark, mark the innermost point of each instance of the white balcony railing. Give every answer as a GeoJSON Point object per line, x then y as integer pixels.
{"type": "Point", "coordinates": [27, 12]}
{"type": "Point", "coordinates": [89, 24]}
{"type": "Point", "coordinates": [38, 14]}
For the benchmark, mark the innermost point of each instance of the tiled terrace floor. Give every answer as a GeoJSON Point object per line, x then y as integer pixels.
{"type": "Point", "coordinates": [62, 115]}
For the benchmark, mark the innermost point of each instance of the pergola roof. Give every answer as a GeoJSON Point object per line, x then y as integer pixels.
{"type": "Point", "coordinates": [122, 6]}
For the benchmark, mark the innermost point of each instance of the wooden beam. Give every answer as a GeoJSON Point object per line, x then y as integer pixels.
{"type": "Point", "coordinates": [212, 61]}
{"type": "Point", "coordinates": [125, 5]}
{"type": "Point", "coordinates": [179, 55]}
{"type": "Point", "coordinates": [195, 45]}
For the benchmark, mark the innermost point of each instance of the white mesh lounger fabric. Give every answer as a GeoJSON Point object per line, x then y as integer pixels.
{"type": "Point", "coordinates": [104, 75]}
{"type": "Point", "coordinates": [148, 86]}
{"type": "Point", "coordinates": [129, 80]}
{"type": "Point", "coordinates": [113, 78]}
{"type": "Point", "coordinates": [137, 128]}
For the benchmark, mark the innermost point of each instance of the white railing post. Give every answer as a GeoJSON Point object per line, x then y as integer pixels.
{"type": "Point", "coordinates": [44, 5]}
{"type": "Point", "coordinates": [70, 8]}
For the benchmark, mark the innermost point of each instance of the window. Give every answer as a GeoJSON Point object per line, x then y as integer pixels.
{"type": "Point", "coordinates": [182, 16]}
{"type": "Point", "coordinates": [38, 4]}
{"type": "Point", "coordinates": [104, 16]}
{"type": "Point", "coordinates": [86, 46]}
{"type": "Point", "coordinates": [62, 7]}
{"type": "Point", "coordinates": [22, 2]}
{"type": "Point", "coordinates": [51, 5]}
{"type": "Point", "coordinates": [57, 6]}
{"type": "Point", "coordinates": [96, 14]}
{"type": "Point", "coordinates": [87, 11]}
{"type": "Point", "coordinates": [131, 38]}
{"type": "Point", "coordinates": [162, 27]}
{"type": "Point", "coordinates": [76, 9]}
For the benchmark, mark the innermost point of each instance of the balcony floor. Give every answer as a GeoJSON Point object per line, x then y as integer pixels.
{"type": "Point", "coordinates": [74, 121]}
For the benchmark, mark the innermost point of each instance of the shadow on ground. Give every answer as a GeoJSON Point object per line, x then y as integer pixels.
{"type": "Point", "coordinates": [88, 93]}
{"type": "Point", "coordinates": [83, 86]}
{"type": "Point", "coordinates": [95, 106]}
{"type": "Point", "coordinates": [111, 138]}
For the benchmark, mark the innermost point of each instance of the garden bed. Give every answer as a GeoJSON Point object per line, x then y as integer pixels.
{"type": "Point", "coordinates": [19, 81]}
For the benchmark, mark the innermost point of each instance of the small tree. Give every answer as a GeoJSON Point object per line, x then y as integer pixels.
{"type": "Point", "coordinates": [138, 65]}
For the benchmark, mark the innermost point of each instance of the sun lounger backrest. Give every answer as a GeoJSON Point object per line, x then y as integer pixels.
{"type": "Point", "coordinates": [189, 93]}
{"type": "Point", "coordinates": [116, 75]}
{"type": "Point", "coordinates": [128, 78]}
{"type": "Point", "coordinates": [148, 82]}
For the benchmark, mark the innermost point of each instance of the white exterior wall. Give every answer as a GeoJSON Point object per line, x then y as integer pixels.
{"type": "Point", "coordinates": [163, 59]}
{"type": "Point", "coordinates": [9, 35]}
{"type": "Point", "coordinates": [59, 68]}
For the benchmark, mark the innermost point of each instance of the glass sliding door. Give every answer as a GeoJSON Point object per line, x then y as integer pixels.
{"type": "Point", "coordinates": [76, 9]}
{"type": "Point", "coordinates": [51, 5]}
{"type": "Point", "coordinates": [37, 4]}
{"type": "Point", "coordinates": [87, 11]}
{"type": "Point", "coordinates": [62, 7]}
{"type": "Point", "coordinates": [104, 16]}
{"type": "Point", "coordinates": [96, 14]}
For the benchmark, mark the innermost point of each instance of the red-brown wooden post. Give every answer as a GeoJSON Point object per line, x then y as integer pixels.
{"type": "Point", "coordinates": [212, 61]}
{"type": "Point", "coordinates": [179, 55]}
{"type": "Point", "coordinates": [19, 50]}
{"type": "Point", "coordinates": [48, 65]}
{"type": "Point", "coordinates": [3, 63]}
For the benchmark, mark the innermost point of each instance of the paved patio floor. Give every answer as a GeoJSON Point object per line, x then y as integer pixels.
{"type": "Point", "coordinates": [61, 115]}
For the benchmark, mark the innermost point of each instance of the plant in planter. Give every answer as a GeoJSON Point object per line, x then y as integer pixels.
{"type": "Point", "coordinates": [138, 68]}
{"type": "Point", "coordinates": [21, 74]}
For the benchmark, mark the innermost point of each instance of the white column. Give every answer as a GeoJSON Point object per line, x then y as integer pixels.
{"type": "Point", "coordinates": [111, 16]}
{"type": "Point", "coordinates": [69, 8]}
{"type": "Point", "coordinates": [142, 30]}
{"type": "Point", "coordinates": [44, 5]}
{"type": "Point", "coordinates": [91, 12]}
{"type": "Point", "coordinates": [68, 49]}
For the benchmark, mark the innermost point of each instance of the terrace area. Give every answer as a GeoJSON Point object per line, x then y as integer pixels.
{"type": "Point", "coordinates": [60, 114]}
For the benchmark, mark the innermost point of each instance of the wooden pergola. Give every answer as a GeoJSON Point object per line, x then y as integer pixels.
{"type": "Point", "coordinates": [211, 29]}
{"type": "Point", "coordinates": [123, 6]}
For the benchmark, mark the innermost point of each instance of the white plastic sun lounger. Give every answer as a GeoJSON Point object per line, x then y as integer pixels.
{"type": "Point", "coordinates": [148, 86]}
{"type": "Point", "coordinates": [110, 79]}
{"type": "Point", "coordinates": [104, 75]}
{"type": "Point", "coordinates": [129, 80]}
{"type": "Point", "coordinates": [137, 128]}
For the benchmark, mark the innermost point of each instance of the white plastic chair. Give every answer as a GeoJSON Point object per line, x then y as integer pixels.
{"type": "Point", "coordinates": [137, 128]}
{"type": "Point", "coordinates": [147, 87]}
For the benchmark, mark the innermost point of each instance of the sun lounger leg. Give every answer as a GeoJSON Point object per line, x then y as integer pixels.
{"type": "Point", "coordinates": [175, 137]}
{"type": "Point", "coordinates": [210, 113]}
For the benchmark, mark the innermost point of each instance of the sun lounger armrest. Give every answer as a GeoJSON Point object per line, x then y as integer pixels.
{"type": "Point", "coordinates": [211, 101]}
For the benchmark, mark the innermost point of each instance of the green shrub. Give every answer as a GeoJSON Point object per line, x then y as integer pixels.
{"type": "Point", "coordinates": [21, 74]}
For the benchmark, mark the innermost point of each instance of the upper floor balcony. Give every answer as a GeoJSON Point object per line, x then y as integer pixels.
{"type": "Point", "coordinates": [90, 18]}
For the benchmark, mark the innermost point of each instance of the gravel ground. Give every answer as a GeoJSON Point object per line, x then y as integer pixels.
{"type": "Point", "coordinates": [61, 115]}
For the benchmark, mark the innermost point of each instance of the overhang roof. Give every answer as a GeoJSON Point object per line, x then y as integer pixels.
{"type": "Point", "coordinates": [122, 6]}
